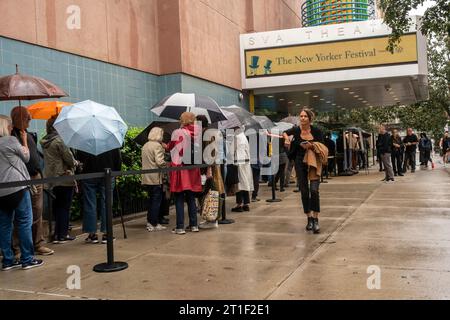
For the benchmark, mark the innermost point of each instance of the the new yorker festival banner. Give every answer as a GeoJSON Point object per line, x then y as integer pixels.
{"type": "Point", "coordinates": [328, 56]}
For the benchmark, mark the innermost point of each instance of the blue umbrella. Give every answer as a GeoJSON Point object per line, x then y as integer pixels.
{"type": "Point", "coordinates": [91, 127]}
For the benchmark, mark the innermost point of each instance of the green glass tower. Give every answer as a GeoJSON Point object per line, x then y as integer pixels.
{"type": "Point", "coordinates": [323, 12]}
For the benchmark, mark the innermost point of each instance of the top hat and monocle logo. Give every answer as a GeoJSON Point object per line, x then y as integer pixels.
{"type": "Point", "coordinates": [268, 67]}
{"type": "Point", "coordinates": [255, 65]}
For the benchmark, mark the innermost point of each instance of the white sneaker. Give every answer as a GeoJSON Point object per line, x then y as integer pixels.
{"type": "Point", "coordinates": [158, 227]}
{"type": "Point", "coordinates": [179, 231]}
{"type": "Point", "coordinates": [195, 229]}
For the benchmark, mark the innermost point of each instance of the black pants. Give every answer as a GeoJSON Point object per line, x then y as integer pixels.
{"type": "Point", "coordinates": [410, 156]}
{"type": "Point", "coordinates": [281, 175]}
{"type": "Point", "coordinates": [154, 205]}
{"type": "Point", "coordinates": [61, 210]}
{"type": "Point", "coordinates": [397, 162]}
{"type": "Point", "coordinates": [256, 173]}
{"type": "Point", "coordinates": [243, 197]}
{"type": "Point", "coordinates": [308, 189]}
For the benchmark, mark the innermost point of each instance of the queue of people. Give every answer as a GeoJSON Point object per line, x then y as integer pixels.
{"type": "Point", "coordinates": [397, 155]}
{"type": "Point", "coordinates": [20, 161]}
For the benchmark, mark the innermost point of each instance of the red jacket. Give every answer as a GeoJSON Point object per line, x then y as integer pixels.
{"type": "Point", "coordinates": [183, 180]}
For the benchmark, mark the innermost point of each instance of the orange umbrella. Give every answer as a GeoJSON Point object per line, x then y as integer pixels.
{"type": "Point", "coordinates": [44, 110]}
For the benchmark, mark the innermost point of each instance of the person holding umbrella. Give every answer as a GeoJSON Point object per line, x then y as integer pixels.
{"type": "Point", "coordinates": [185, 183]}
{"type": "Point", "coordinates": [21, 121]}
{"type": "Point", "coordinates": [59, 161]}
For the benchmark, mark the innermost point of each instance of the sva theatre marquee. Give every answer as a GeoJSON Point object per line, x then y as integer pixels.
{"type": "Point", "coordinates": [340, 53]}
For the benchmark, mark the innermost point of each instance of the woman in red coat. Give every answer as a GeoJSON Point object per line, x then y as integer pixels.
{"type": "Point", "coordinates": [185, 183]}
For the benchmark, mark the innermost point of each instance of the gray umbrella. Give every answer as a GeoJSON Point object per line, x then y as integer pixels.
{"type": "Point", "coordinates": [265, 122]}
{"type": "Point", "coordinates": [291, 119]}
{"type": "Point", "coordinates": [245, 117]}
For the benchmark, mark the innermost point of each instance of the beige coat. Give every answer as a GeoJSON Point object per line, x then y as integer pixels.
{"type": "Point", "coordinates": [315, 158]}
{"type": "Point", "coordinates": [153, 158]}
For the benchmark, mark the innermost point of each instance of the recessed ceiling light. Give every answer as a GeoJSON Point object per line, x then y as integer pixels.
{"type": "Point", "coordinates": [306, 92]}
{"type": "Point", "coordinates": [322, 99]}
{"type": "Point", "coordinates": [328, 101]}
{"type": "Point", "coordinates": [333, 104]}
{"type": "Point", "coordinates": [346, 89]}
{"type": "Point", "coordinates": [270, 97]}
{"type": "Point", "coordinates": [364, 101]}
{"type": "Point", "coordinates": [360, 99]}
{"type": "Point", "coordinates": [351, 92]}
{"type": "Point", "coordinates": [281, 99]}
{"type": "Point", "coordinates": [290, 102]}
{"type": "Point", "coordinates": [315, 96]}
{"type": "Point", "coordinates": [297, 105]}
{"type": "Point", "coordinates": [356, 96]}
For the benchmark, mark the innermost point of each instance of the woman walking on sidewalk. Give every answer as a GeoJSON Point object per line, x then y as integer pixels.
{"type": "Point", "coordinates": [306, 135]}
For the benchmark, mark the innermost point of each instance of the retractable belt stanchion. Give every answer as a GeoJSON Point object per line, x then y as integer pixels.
{"type": "Point", "coordinates": [223, 197]}
{"type": "Point", "coordinates": [110, 265]}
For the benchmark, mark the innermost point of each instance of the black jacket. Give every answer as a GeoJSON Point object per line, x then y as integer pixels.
{"type": "Point", "coordinates": [398, 141]}
{"type": "Point", "coordinates": [384, 143]}
{"type": "Point", "coordinates": [95, 164]}
{"type": "Point", "coordinates": [296, 150]}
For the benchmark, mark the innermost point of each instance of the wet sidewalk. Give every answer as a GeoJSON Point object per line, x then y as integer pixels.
{"type": "Point", "coordinates": [401, 228]}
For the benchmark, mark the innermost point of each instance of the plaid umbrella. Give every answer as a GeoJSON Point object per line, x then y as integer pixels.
{"type": "Point", "coordinates": [174, 105]}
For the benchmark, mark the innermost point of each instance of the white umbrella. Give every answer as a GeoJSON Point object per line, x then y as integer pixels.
{"type": "Point", "coordinates": [91, 127]}
{"type": "Point", "coordinates": [174, 105]}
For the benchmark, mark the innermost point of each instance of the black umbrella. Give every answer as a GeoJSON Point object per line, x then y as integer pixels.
{"type": "Point", "coordinates": [174, 105]}
{"type": "Point", "coordinates": [168, 127]}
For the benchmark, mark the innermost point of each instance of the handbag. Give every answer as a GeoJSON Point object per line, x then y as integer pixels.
{"type": "Point", "coordinates": [210, 210]}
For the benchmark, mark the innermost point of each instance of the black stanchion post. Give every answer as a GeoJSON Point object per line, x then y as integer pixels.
{"type": "Point", "coordinates": [110, 265]}
{"type": "Point", "coordinates": [50, 216]}
{"type": "Point", "coordinates": [224, 219]}
{"type": "Point", "coordinates": [274, 197]}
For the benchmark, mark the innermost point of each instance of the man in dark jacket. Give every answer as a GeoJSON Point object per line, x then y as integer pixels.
{"type": "Point", "coordinates": [397, 153]}
{"type": "Point", "coordinates": [384, 145]}
{"type": "Point", "coordinates": [95, 164]}
{"type": "Point", "coordinates": [21, 121]}
{"type": "Point", "coordinates": [411, 141]}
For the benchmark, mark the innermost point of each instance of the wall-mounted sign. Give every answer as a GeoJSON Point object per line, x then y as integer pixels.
{"type": "Point", "coordinates": [329, 56]}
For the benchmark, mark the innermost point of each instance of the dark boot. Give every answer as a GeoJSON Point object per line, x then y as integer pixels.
{"type": "Point", "coordinates": [310, 224]}
{"type": "Point", "coordinates": [316, 227]}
